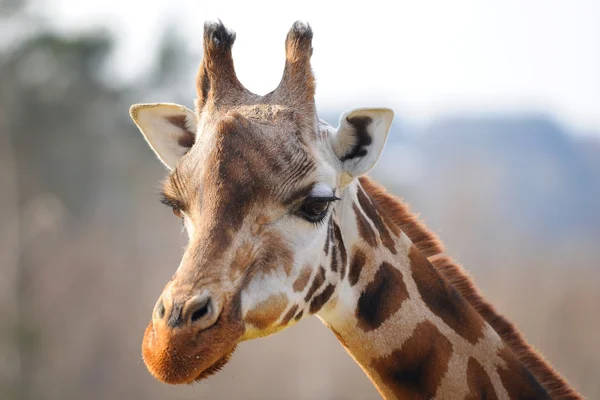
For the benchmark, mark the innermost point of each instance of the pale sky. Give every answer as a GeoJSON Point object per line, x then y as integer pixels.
{"type": "Point", "coordinates": [422, 58]}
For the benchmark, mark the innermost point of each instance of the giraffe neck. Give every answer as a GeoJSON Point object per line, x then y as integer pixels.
{"type": "Point", "coordinates": [408, 328]}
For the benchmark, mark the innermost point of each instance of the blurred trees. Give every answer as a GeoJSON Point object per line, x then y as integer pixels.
{"type": "Point", "coordinates": [49, 158]}
{"type": "Point", "coordinates": [68, 155]}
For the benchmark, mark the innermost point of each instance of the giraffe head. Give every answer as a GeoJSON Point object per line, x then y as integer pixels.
{"type": "Point", "coordinates": [255, 180]}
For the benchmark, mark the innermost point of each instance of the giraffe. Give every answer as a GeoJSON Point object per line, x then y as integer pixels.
{"type": "Point", "coordinates": [283, 224]}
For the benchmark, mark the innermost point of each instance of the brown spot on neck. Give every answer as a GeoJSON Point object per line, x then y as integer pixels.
{"type": "Point", "coordinates": [364, 228]}
{"type": "Point", "coordinates": [372, 213]}
{"type": "Point", "coordinates": [443, 300]}
{"type": "Point", "coordinates": [299, 316]}
{"type": "Point", "coordinates": [334, 258]}
{"type": "Point", "coordinates": [417, 368]}
{"type": "Point", "coordinates": [320, 300]}
{"type": "Point", "coordinates": [382, 297]}
{"type": "Point", "coordinates": [357, 262]}
{"type": "Point", "coordinates": [339, 244]}
{"type": "Point", "coordinates": [316, 284]}
{"type": "Point", "coordinates": [289, 315]}
{"type": "Point", "coordinates": [518, 381]}
{"type": "Point", "coordinates": [480, 385]}
{"type": "Point", "coordinates": [302, 279]}
{"type": "Point", "coordinates": [327, 240]}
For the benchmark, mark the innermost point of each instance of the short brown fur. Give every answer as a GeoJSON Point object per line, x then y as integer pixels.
{"type": "Point", "coordinates": [303, 278]}
{"type": "Point", "coordinates": [415, 370]}
{"type": "Point", "coordinates": [443, 299]}
{"type": "Point", "coordinates": [480, 386]}
{"type": "Point", "coordinates": [382, 297]}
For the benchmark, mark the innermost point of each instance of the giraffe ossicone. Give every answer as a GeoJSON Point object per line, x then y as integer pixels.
{"type": "Point", "coordinates": [283, 224]}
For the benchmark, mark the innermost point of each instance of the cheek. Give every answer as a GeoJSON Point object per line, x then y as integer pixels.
{"type": "Point", "coordinates": [277, 290]}
{"type": "Point", "coordinates": [302, 236]}
{"type": "Point", "coordinates": [264, 302]}
{"type": "Point", "coordinates": [266, 315]}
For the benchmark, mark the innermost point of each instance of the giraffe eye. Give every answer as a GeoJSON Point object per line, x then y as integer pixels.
{"type": "Point", "coordinates": [176, 205]}
{"type": "Point", "coordinates": [314, 209]}
{"type": "Point", "coordinates": [177, 212]}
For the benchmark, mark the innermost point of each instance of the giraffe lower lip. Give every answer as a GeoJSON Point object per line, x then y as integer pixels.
{"type": "Point", "coordinates": [215, 367]}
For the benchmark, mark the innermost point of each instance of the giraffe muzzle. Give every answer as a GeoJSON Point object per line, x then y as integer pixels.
{"type": "Point", "coordinates": [190, 336]}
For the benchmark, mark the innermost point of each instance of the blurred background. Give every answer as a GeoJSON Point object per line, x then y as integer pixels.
{"type": "Point", "coordinates": [496, 144]}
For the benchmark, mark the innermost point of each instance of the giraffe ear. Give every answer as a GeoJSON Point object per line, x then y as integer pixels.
{"type": "Point", "coordinates": [360, 138]}
{"type": "Point", "coordinates": [169, 129]}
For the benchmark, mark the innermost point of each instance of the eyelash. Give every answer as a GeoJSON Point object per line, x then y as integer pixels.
{"type": "Point", "coordinates": [301, 212]}
{"type": "Point", "coordinates": [321, 222]}
{"type": "Point", "coordinates": [175, 205]}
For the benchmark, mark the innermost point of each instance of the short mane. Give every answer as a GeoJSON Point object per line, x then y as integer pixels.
{"type": "Point", "coordinates": [428, 243]}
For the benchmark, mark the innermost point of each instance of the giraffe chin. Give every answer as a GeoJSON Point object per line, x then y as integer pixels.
{"type": "Point", "coordinates": [216, 367]}
{"type": "Point", "coordinates": [178, 356]}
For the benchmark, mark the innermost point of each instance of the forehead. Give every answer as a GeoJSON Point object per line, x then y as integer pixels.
{"type": "Point", "coordinates": [252, 152]}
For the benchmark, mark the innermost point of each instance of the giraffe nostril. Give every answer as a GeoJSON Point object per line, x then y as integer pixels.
{"type": "Point", "coordinates": [160, 310]}
{"type": "Point", "coordinates": [200, 309]}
